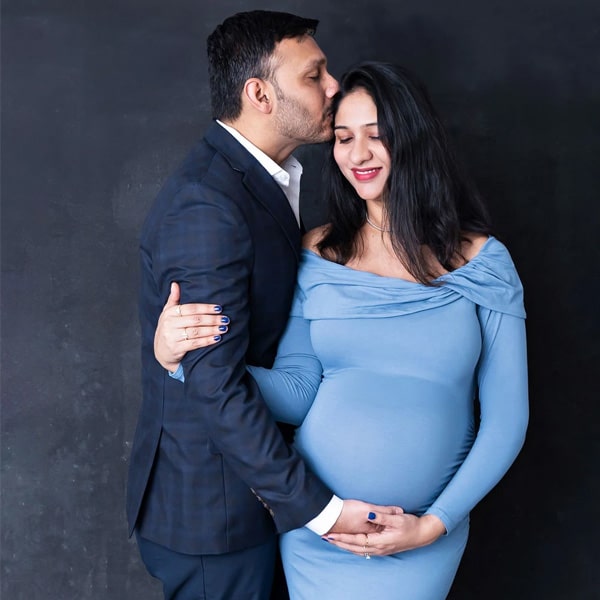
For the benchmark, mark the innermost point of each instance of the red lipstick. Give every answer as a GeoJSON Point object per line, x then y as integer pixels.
{"type": "Point", "coordinates": [366, 174]}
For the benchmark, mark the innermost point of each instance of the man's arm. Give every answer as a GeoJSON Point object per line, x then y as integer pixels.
{"type": "Point", "coordinates": [204, 244]}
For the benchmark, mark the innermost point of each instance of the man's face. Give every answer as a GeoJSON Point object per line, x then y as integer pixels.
{"type": "Point", "coordinates": [304, 89]}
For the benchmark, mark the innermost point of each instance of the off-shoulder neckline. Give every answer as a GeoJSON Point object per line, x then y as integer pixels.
{"type": "Point", "coordinates": [473, 261]}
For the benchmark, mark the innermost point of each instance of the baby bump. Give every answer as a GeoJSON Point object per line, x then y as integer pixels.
{"type": "Point", "coordinates": [386, 439]}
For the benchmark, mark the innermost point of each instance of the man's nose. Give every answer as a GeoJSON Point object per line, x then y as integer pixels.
{"type": "Point", "coordinates": [332, 85]}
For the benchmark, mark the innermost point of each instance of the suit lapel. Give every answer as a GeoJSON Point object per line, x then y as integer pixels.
{"type": "Point", "coordinates": [262, 186]}
{"type": "Point", "coordinates": [258, 182]}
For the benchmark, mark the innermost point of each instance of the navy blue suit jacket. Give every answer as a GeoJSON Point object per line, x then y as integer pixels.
{"type": "Point", "coordinates": [210, 472]}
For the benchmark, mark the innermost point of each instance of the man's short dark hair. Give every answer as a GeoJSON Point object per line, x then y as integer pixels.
{"type": "Point", "coordinates": [241, 48]}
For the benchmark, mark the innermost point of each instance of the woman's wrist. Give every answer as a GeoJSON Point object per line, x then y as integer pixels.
{"type": "Point", "coordinates": [431, 529]}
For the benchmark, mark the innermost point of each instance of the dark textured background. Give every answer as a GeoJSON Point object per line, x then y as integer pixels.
{"type": "Point", "coordinates": [101, 98]}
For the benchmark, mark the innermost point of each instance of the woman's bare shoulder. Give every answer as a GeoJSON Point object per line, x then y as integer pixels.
{"type": "Point", "coordinates": [472, 244]}
{"type": "Point", "coordinates": [313, 237]}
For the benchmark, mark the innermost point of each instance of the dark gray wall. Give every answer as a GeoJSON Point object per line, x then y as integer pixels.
{"type": "Point", "coordinates": [101, 98]}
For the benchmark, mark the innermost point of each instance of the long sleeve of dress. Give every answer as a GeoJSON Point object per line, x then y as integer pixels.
{"type": "Point", "coordinates": [290, 386]}
{"type": "Point", "coordinates": [503, 397]}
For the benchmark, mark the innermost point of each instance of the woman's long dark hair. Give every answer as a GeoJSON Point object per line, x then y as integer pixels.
{"type": "Point", "coordinates": [427, 199]}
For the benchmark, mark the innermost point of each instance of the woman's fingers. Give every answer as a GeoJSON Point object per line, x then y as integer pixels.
{"type": "Point", "coordinates": [191, 330]}
{"type": "Point", "coordinates": [196, 322]}
{"type": "Point", "coordinates": [204, 334]}
{"type": "Point", "coordinates": [185, 327]}
{"type": "Point", "coordinates": [199, 310]}
{"type": "Point", "coordinates": [360, 543]}
{"type": "Point", "coordinates": [185, 345]}
{"type": "Point", "coordinates": [175, 335]}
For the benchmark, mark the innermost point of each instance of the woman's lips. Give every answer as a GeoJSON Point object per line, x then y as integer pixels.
{"type": "Point", "coordinates": [366, 174]}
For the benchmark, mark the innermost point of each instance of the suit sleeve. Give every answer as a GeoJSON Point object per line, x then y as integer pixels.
{"type": "Point", "coordinates": [503, 397]}
{"type": "Point", "coordinates": [291, 385]}
{"type": "Point", "coordinates": [205, 245]}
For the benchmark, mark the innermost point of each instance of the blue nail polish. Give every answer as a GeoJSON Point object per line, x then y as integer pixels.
{"type": "Point", "coordinates": [325, 540]}
{"type": "Point", "coordinates": [222, 327]}
{"type": "Point", "coordinates": [217, 338]}
{"type": "Point", "coordinates": [218, 308]}
{"type": "Point", "coordinates": [225, 320]}
{"type": "Point", "coordinates": [372, 515]}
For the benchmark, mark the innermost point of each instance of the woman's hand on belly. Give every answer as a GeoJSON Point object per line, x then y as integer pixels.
{"type": "Point", "coordinates": [399, 532]}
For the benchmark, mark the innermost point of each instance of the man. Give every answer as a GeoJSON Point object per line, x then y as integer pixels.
{"type": "Point", "coordinates": [211, 478]}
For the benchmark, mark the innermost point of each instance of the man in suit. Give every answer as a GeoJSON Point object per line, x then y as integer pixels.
{"type": "Point", "coordinates": [211, 478]}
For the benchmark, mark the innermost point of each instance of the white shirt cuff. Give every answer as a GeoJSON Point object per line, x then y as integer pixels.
{"type": "Point", "coordinates": [326, 519]}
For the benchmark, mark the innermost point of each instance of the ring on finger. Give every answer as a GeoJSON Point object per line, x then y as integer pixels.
{"type": "Point", "coordinates": [365, 546]}
{"type": "Point", "coordinates": [185, 334]}
{"type": "Point", "coordinates": [178, 310]}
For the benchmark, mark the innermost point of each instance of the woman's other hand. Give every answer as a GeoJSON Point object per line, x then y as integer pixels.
{"type": "Point", "coordinates": [185, 327]}
{"type": "Point", "coordinates": [399, 532]}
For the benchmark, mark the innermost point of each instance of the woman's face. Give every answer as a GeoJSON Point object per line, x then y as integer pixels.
{"type": "Point", "coordinates": [358, 151]}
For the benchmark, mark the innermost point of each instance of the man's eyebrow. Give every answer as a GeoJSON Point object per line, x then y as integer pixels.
{"type": "Point", "coordinates": [317, 62]}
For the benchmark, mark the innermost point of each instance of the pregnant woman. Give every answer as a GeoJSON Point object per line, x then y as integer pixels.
{"type": "Point", "coordinates": [408, 314]}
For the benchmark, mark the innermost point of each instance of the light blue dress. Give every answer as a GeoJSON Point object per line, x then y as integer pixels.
{"type": "Point", "coordinates": [381, 374]}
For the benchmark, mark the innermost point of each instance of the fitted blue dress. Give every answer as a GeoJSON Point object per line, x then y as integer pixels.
{"type": "Point", "coordinates": [380, 374]}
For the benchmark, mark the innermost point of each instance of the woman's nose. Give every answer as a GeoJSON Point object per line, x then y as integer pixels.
{"type": "Point", "coordinates": [360, 151]}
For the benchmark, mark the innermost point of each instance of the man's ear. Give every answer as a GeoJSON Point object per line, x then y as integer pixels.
{"type": "Point", "coordinates": [259, 94]}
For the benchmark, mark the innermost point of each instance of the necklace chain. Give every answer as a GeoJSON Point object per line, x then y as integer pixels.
{"type": "Point", "coordinates": [382, 229]}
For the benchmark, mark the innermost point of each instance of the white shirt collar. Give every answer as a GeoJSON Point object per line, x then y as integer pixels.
{"type": "Point", "coordinates": [287, 175]}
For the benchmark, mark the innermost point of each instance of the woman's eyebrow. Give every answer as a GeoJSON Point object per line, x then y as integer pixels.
{"type": "Point", "coordinates": [365, 125]}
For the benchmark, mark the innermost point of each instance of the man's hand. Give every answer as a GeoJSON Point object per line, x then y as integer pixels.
{"type": "Point", "coordinates": [185, 327]}
{"type": "Point", "coordinates": [397, 532]}
{"type": "Point", "coordinates": [354, 518]}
